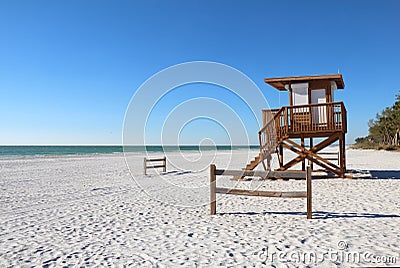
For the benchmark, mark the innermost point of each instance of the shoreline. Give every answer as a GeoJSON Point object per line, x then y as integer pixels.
{"type": "Point", "coordinates": [349, 149]}
{"type": "Point", "coordinates": [42, 151]}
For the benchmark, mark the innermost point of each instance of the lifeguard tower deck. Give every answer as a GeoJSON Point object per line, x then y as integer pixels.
{"type": "Point", "coordinates": [311, 114]}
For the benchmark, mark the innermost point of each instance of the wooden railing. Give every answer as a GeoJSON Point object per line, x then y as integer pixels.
{"type": "Point", "coordinates": [163, 165]}
{"type": "Point", "coordinates": [214, 172]}
{"type": "Point", "coordinates": [303, 119]}
{"type": "Point", "coordinates": [268, 138]}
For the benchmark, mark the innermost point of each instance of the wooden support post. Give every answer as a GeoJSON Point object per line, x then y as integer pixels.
{"type": "Point", "coordinates": [309, 193]}
{"type": "Point", "coordinates": [213, 186]}
{"type": "Point", "coordinates": [303, 162]}
{"type": "Point", "coordinates": [144, 166]}
{"type": "Point", "coordinates": [287, 120]}
{"type": "Point", "coordinates": [311, 145]}
{"type": "Point", "coordinates": [280, 155]}
{"type": "Point", "coordinates": [342, 155]}
{"type": "Point", "coordinates": [165, 164]}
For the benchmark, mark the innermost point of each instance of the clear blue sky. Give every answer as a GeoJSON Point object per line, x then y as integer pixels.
{"type": "Point", "coordinates": [69, 68]}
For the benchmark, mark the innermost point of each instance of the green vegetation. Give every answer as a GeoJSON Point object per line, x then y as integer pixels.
{"type": "Point", "coordinates": [384, 131]}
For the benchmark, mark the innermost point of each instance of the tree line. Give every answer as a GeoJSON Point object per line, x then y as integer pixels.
{"type": "Point", "coordinates": [384, 130]}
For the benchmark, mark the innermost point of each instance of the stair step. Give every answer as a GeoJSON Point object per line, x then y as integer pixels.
{"type": "Point", "coordinates": [250, 166]}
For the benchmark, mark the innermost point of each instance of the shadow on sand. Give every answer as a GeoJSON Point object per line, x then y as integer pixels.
{"type": "Point", "coordinates": [318, 214]}
{"type": "Point", "coordinates": [385, 174]}
{"type": "Point", "coordinates": [376, 174]}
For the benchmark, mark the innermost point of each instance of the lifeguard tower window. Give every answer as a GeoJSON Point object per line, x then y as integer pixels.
{"type": "Point", "coordinates": [300, 94]}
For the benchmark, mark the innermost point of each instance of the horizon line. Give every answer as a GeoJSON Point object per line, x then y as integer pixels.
{"type": "Point", "coordinates": [135, 145]}
{"type": "Point", "coordinates": [127, 145]}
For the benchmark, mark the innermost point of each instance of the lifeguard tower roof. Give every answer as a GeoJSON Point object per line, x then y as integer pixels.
{"type": "Point", "coordinates": [282, 83]}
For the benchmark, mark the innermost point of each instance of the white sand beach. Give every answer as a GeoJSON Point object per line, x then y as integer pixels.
{"type": "Point", "coordinates": [89, 211]}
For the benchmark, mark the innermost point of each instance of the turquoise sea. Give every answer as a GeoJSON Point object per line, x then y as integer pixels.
{"type": "Point", "coordinates": [26, 151]}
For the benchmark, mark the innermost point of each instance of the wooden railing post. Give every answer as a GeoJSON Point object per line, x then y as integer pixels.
{"type": "Point", "coordinates": [344, 117]}
{"type": "Point", "coordinates": [303, 162]}
{"type": "Point", "coordinates": [144, 166]}
{"type": "Point", "coordinates": [287, 120]}
{"type": "Point", "coordinates": [165, 164]}
{"type": "Point", "coordinates": [309, 193]}
{"type": "Point", "coordinates": [213, 185]}
{"type": "Point", "coordinates": [312, 124]}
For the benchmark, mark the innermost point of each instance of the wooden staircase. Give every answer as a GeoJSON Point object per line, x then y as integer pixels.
{"type": "Point", "coordinates": [268, 142]}
{"type": "Point", "coordinates": [254, 163]}
{"type": "Point", "coordinates": [250, 166]}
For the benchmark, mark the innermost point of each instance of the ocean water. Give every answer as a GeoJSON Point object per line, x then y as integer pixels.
{"type": "Point", "coordinates": [27, 151]}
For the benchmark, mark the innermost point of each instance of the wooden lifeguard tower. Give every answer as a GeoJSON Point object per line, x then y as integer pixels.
{"type": "Point", "coordinates": [311, 114]}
